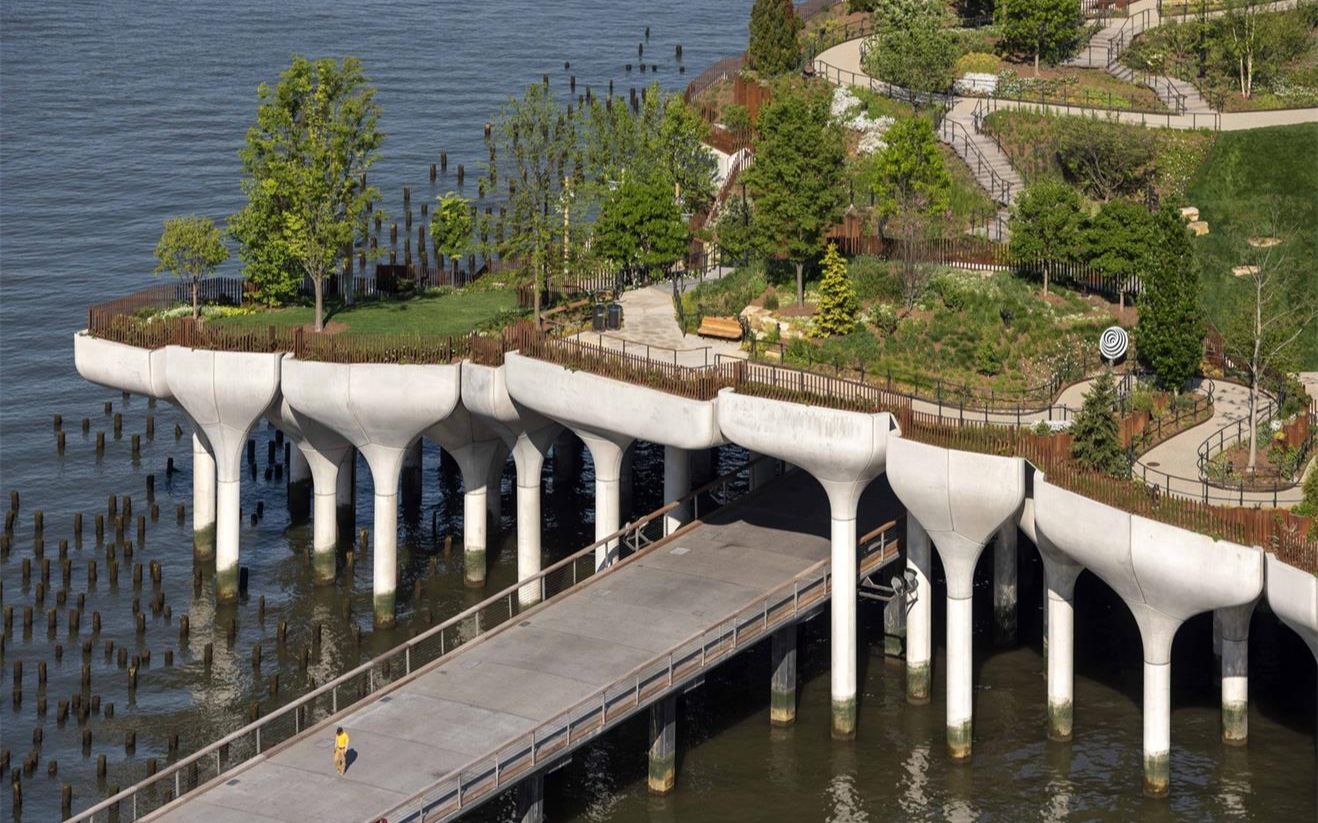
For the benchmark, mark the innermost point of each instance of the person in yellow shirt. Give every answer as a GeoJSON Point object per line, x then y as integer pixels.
{"type": "Point", "coordinates": [341, 750]}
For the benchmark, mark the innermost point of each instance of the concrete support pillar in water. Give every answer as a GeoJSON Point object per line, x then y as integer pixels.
{"type": "Point", "coordinates": [1157, 727]}
{"type": "Point", "coordinates": [529, 452]}
{"type": "Point", "coordinates": [782, 692]}
{"type": "Point", "coordinates": [1233, 623]}
{"type": "Point", "coordinates": [475, 488]}
{"type": "Point", "coordinates": [663, 746]}
{"type": "Point", "coordinates": [1004, 586]}
{"type": "Point", "coordinates": [299, 486]}
{"type": "Point", "coordinates": [1059, 641]}
{"type": "Point", "coordinates": [345, 493]}
{"type": "Point", "coordinates": [606, 451]}
{"type": "Point", "coordinates": [228, 522]}
{"type": "Point", "coordinates": [627, 483]}
{"type": "Point", "coordinates": [567, 459]}
{"type": "Point", "coordinates": [531, 800]}
{"type": "Point", "coordinates": [919, 612]}
{"type": "Point", "coordinates": [384, 564]}
{"type": "Point", "coordinates": [409, 481]}
{"type": "Point", "coordinates": [842, 613]}
{"type": "Point", "coordinates": [677, 484]}
{"type": "Point", "coordinates": [203, 499]}
{"type": "Point", "coordinates": [494, 491]}
{"type": "Point", "coordinates": [325, 529]}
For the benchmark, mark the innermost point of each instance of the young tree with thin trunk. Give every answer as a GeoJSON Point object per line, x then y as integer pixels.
{"type": "Point", "coordinates": [795, 181]}
{"type": "Point", "coordinates": [1273, 312]}
{"type": "Point", "coordinates": [1241, 21]}
{"type": "Point", "coordinates": [640, 227]}
{"type": "Point", "coordinates": [451, 226]}
{"type": "Point", "coordinates": [190, 248]}
{"type": "Point", "coordinates": [1045, 226]}
{"type": "Point", "coordinates": [304, 167]}
{"type": "Point", "coordinates": [532, 143]}
{"type": "Point", "coordinates": [910, 183]}
{"type": "Point", "coordinates": [1042, 30]}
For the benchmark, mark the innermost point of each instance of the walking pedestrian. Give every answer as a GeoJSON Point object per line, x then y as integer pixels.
{"type": "Point", "coordinates": [341, 750]}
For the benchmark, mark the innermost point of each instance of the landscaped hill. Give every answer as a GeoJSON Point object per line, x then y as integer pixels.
{"type": "Point", "coordinates": [1248, 176]}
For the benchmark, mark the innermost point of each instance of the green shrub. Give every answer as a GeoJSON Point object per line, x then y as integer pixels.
{"type": "Point", "coordinates": [771, 300]}
{"type": "Point", "coordinates": [978, 62]}
{"type": "Point", "coordinates": [883, 317]}
{"type": "Point", "coordinates": [988, 358]}
{"type": "Point", "coordinates": [1309, 505]}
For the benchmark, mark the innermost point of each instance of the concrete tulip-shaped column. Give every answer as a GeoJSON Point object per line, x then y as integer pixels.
{"type": "Point", "coordinates": [606, 452]}
{"type": "Point", "coordinates": [1234, 626]}
{"type": "Point", "coordinates": [609, 415]}
{"type": "Point", "coordinates": [381, 409]}
{"type": "Point", "coordinates": [529, 437]}
{"type": "Point", "coordinates": [962, 499]}
{"type": "Point", "coordinates": [473, 446]}
{"type": "Point", "coordinates": [919, 613]}
{"type": "Point", "coordinates": [844, 451]}
{"type": "Point", "coordinates": [677, 484]}
{"type": "Point", "coordinates": [203, 498]}
{"type": "Point", "coordinates": [324, 452]}
{"type": "Point", "coordinates": [1059, 576]}
{"type": "Point", "coordinates": [1164, 574]}
{"type": "Point", "coordinates": [224, 393]}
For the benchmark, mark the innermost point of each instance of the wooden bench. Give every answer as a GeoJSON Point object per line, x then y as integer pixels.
{"type": "Point", "coordinates": [727, 328]}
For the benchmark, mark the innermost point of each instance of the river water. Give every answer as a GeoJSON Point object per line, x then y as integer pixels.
{"type": "Point", "coordinates": [115, 115]}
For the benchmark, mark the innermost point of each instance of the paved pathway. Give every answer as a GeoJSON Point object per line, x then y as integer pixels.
{"type": "Point", "coordinates": [650, 329]}
{"type": "Point", "coordinates": [530, 671]}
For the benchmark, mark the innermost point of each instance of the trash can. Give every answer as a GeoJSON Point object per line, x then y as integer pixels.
{"type": "Point", "coordinates": [615, 316]}
{"type": "Point", "coordinates": [599, 316]}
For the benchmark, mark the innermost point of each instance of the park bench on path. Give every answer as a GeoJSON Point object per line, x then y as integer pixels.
{"type": "Point", "coordinates": [727, 328]}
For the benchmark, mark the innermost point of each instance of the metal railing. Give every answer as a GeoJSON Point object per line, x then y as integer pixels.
{"type": "Point", "coordinates": [384, 671]}
{"type": "Point", "coordinates": [486, 776]}
{"type": "Point", "coordinates": [999, 187]}
{"type": "Point", "coordinates": [1211, 120]}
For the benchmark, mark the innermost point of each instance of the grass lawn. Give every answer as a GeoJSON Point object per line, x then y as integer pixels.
{"type": "Point", "coordinates": [445, 314]}
{"type": "Point", "coordinates": [1245, 176]}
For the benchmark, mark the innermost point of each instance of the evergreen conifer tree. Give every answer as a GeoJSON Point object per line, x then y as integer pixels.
{"type": "Point", "coordinates": [837, 296]}
{"type": "Point", "coordinates": [773, 47]}
{"type": "Point", "coordinates": [1095, 442]}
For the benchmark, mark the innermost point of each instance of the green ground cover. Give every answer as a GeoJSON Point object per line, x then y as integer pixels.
{"type": "Point", "coordinates": [989, 331]}
{"type": "Point", "coordinates": [1285, 63]}
{"type": "Point", "coordinates": [1248, 175]}
{"type": "Point", "coordinates": [450, 313]}
{"type": "Point", "coordinates": [1031, 141]}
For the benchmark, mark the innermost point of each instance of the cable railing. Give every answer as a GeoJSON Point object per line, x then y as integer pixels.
{"type": "Point", "coordinates": [488, 775]}
{"type": "Point", "coordinates": [383, 672]}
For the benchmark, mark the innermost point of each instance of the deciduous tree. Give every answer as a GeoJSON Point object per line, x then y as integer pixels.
{"type": "Point", "coordinates": [917, 54]}
{"type": "Point", "coordinates": [910, 183]}
{"type": "Point", "coordinates": [304, 166]}
{"type": "Point", "coordinates": [1046, 221]}
{"type": "Point", "coordinates": [1119, 240]}
{"type": "Point", "coordinates": [640, 226]}
{"type": "Point", "coordinates": [190, 248]}
{"type": "Point", "coordinates": [1042, 30]}
{"type": "Point", "coordinates": [451, 226]}
{"type": "Point", "coordinates": [795, 179]}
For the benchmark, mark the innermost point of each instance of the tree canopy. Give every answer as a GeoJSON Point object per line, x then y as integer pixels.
{"type": "Point", "coordinates": [304, 174]}
{"type": "Point", "coordinates": [1041, 30]}
{"type": "Point", "coordinates": [795, 178]}
{"type": "Point", "coordinates": [1046, 223]}
{"type": "Point", "coordinates": [1170, 334]}
{"type": "Point", "coordinates": [451, 225]}
{"type": "Point", "coordinates": [640, 226]}
{"type": "Point", "coordinates": [911, 48]}
{"type": "Point", "coordinates": [1120, 240]}
{"type": "Point", "coordinates": [1095, 431]}
{"type": "Point", "coordinates": [190, 248]}
{"type": "Point", "coordinates": [773, 47]}
{"type": "Point", "coordinates": [837, 296]}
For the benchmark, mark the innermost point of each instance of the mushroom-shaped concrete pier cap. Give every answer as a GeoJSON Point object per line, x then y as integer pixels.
{"type": "Point", "coordinates": [224, 393]}
{"type": "Point", "coordinates": [1164, 574]}
{"type": "Point", "coordinates": [961, 499]}
{"type": "Point", "coordinates": [380, 408]}
{"type": "Point", "coordinates": [1293, 596]}
{"type": "Point", "coordinates": [121, 367]}
{"type": "Point", "coordinates": [844, 451]}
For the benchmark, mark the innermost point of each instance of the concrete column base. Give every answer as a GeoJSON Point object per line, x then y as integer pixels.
{"type": "Point", "coordinates": [918, 676]}
{"type": "Point", "coordinates": [384, 567]}
{"type": "Point", "coordinates": [782, 692]}
{"type": "Point", "coordinates": [1059, 720]}
{"type": "Point", "coordinates": [959, 737]}
{"type": "Point", "coordinates": [473, 536]}
{"type": "Point", "coordinates": [473, 568]}
{"type": "Point", "coordinates": [227, 525]}
{"type": "Point", "coordinates": [1235, 692]}
{"type": "Point", "coordinates": [203, 542]}
{"type": "Point", "coordinates": [960, 677]}
{"type": "Point", "coordinates": [325, 538]}
{"type": "Point", "coordinates": [844, 718]}
{"type": "Point", "coordinates": [383, 605]}
{"type": "Point", "coordinates": [1157, 728]}
{"type": "Point", "coordinates": [662, 775]}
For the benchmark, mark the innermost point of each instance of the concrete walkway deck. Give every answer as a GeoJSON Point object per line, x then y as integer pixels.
{"type": "Point", "coordinates": [530, 671]}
